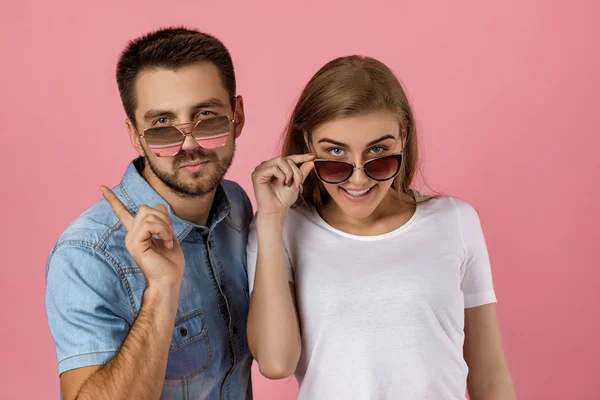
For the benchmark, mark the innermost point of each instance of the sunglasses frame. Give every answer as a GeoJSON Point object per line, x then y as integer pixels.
{"type": "Point", "coordinates": [193, 125]}
{"type": "Point", "coordinates": [397, 156]}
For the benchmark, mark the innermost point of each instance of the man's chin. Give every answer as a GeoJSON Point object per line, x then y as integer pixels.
{"type": "Point", "coordinates": [190, 185]}
{"type": "Point", "coordinates": [194, 188]}
{"type": "Point", "coordinates": [193, 183]}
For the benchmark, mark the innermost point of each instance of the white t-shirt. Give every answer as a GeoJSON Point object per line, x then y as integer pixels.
{"type": "Point", "coordinates": [382, 317]}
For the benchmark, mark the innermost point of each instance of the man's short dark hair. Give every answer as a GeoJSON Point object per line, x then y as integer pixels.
{"type": "Point", "coordinates": [170, 48]}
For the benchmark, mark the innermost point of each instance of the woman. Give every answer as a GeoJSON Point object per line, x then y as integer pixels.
{"type": "Point", "coordinates": [365, 288]}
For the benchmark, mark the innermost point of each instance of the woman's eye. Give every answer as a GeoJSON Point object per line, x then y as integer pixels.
{"type": "Point", "coordinates": [377, 149]}
{"type": "Point", "coordinates": [336, 151]}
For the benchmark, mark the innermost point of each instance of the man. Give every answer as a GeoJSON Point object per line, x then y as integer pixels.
{"type": "Point", "coordinates": [150, 300]}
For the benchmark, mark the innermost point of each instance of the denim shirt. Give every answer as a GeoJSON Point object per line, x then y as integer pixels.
{"type": "Point", "coordinates": [94, 292]}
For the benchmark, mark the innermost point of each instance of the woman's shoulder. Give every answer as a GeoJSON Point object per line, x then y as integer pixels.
{"type": "Point", "coordinates": [298, 215]}
{"type": "Point", "coordinates": [445, 204]}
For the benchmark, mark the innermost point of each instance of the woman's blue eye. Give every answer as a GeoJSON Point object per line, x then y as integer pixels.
{"type": "Point", "coordinates": [377, 149]}
{"type": "Point", "coordinates": [336, 151]}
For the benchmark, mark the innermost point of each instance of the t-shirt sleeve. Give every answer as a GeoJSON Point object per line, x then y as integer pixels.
{"type": "Point", "coordinates": [477, 285]}
{"type": "Point", "coordinates": [86, 307]}
{"type": "Point", "coordinates": [252, 255]}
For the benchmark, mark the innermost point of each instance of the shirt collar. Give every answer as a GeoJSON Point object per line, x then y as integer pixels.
{"type": "Point", "coordinates": [134, 191]}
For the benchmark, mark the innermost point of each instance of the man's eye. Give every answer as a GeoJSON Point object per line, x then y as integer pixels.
{"type": "Point", "coordinates": [205, 113]}
{"type": "Point", "coordinates": [162, 121]}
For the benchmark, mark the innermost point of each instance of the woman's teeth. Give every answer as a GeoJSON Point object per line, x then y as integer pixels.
{"type": "Point", "coordinates": [355, 193]}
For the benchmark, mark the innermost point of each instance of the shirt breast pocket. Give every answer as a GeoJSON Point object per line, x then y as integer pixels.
{"type": "Point", "coordinates": [190, 352]}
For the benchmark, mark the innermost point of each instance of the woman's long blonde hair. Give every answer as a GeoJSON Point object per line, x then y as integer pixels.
{"type": "Point", "coordinates": [346, 87]}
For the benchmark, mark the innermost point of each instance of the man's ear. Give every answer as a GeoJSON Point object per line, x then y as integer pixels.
{"type": "Point", "coordinates": [134, 138]}
{"type": "Point", "coordinates": [239, 116]}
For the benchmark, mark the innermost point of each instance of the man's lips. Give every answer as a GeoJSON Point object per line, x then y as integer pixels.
{"type": "Point", "coordinates": [194, 166]}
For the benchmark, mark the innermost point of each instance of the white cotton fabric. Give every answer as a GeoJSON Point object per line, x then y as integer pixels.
{"type": "Point", "coordinates": [382, 317]}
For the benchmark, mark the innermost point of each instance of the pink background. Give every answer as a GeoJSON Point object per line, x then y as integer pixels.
{"type": "Point", "coordinates": [505, 93]}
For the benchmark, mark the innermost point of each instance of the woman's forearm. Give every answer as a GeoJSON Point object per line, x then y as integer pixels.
{"type": "Point", "coordinates": [273, 328]}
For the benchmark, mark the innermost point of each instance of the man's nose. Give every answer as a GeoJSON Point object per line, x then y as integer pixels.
{"type": "Point", "coordinates": [189, 143]}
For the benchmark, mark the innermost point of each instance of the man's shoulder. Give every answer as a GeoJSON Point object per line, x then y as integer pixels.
{"type": "Point", "coordinates": [236, 195]}
{"type": "Point", "coordinates": [89, 253]}
{"type": "Point", "coordinates": [92, 229]}
{"type": "Point", "coordinates": [233, 190]}
{"type": "Point", "coordinates": [241, 207]}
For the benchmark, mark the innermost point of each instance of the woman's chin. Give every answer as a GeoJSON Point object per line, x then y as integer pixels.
{"type": "Point", "coordinates": [357, 208]}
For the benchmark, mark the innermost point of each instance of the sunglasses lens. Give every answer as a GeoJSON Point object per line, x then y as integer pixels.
{"type": "Point", "coordinates": [383, 169]}
{"type": "Point", "coordinates": [164, 141]}
{"type": "Point", "coordinates": [213, 132]}
{"type": "Point", "coordinates": [333, 171]}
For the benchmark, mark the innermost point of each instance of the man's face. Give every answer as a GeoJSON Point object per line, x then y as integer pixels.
{"type": "Point", "coordinates": [174, 97]}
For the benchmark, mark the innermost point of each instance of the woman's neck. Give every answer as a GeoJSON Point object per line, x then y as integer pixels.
{"type": "Point", "coordinates": [391, 213]}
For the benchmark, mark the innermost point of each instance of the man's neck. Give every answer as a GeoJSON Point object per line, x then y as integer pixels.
{"type": "Point", "coordinates": [194, 209]}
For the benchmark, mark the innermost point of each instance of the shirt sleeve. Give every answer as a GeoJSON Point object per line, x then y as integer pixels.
{"type": "Point", "coordinates": [477, 285]}
{"type": "Point", "coordinates": [252, 254]}
{"type": "Point", "coordinates": [86, 306]}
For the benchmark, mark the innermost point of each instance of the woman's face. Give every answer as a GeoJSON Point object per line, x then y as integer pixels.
{"type": "Point", "coordinates": [357, 140]}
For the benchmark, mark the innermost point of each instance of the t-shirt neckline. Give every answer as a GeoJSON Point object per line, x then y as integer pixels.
{"type": "Point", "coordinates": [418, 197]}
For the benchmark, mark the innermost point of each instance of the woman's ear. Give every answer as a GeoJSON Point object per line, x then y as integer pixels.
{"type": "Point", "coordinates": [307, 141]}
{"type": "Point", "coordinates": [403, 139]}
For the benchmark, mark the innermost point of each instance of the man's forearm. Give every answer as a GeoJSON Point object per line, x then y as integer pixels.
{"type": "Point", "coordinates": [138, 370]}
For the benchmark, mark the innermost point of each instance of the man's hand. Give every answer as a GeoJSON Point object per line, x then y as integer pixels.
{"type": "Point", "coordinates": [161, 260]}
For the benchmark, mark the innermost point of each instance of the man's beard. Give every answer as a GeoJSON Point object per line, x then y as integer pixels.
{"type": "Point", "coordinates": [202, 184]}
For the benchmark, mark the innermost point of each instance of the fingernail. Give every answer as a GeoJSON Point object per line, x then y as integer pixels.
{"type": "Point", "coordinates": [300, 189]}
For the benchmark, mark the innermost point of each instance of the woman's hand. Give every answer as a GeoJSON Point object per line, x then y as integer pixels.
{"type": "Point", "coordinates": [278, 182]}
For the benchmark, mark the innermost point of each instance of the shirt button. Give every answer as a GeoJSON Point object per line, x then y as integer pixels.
{"type": "Point", "coordinates": [183, 332]}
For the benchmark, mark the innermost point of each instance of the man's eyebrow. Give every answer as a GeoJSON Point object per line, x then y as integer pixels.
{"type": "Point", "coordinates": [209, 103]}
{"type": "Point", "coordinates": [212, 102]}
{"type": "Point", "coordinates": [153, 114]}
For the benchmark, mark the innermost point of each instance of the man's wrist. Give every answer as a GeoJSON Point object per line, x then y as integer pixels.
{"type": "Point", "coordinates": [162, 295]}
